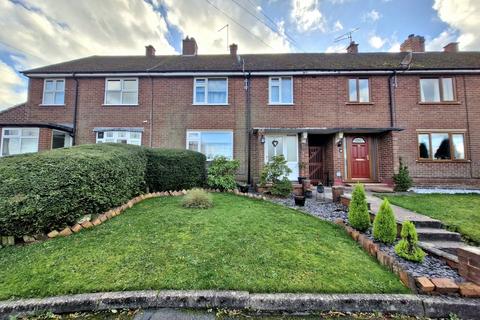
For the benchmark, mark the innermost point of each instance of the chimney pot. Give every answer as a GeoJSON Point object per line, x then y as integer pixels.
{"type": "Point", "coordinates": [451, 47]}
{"type": "Point", "coordinates": [150, 51]}
{"type": "Point", "coordinates": [414, 43]}
{"type": "Point", "coordinates": [233, 49]}
{"type": "Point", "coordinates": [352, 47]}
{"type": "Point", "coordinates": [189, 46]}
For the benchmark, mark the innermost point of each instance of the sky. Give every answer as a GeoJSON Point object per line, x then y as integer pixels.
{"type": "Point", "coordinates": [34, 33]}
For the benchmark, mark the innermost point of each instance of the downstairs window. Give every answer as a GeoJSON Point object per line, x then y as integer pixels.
{"type": "Point", "coordinates": [440, 146]}
{"type": "Point", "coordinates": [19, 140]}
{"type": "Point", "coordinates": [211, 143]}
{"type": "Point", "coordinates": [126, 137]}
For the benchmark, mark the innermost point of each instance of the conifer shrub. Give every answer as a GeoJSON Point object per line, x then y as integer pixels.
{"type": "Point", "coordinates": [197, 198]}
{"type": "Point", "coordinates": [384, 225]}
{"type": "Point", "coordinates": [408, 248]}
{"type": "Point", "coordinates": [402, 179]}
{"type": "Point", "coordinates": [358, 215]}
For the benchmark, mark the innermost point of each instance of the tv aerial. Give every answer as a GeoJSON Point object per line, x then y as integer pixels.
{"type": "Point", "coordinates": [346, 35]}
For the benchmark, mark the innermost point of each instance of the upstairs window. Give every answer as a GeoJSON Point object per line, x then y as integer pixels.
{"type": "Point", "coordinates": [121, 91]}
{"type": "Point", "coordinates": [441, 146]}
{"type": "Point", "coordinates": [19, 140]}
{"type": "Point", "coordinates": [211, 143]}
{"type": "Point", "coordinates": [126, 137]}
{"type": "Point", "coordinates": [358, 90]}
{"type": "Point", "coordinates": [280, 90]}
{"type": "Point", "coordinates": [437, 90]}
{"type": "Point", "coordinates": [54, 92]}
{"type": "Point", "coordinates": [210, 91]}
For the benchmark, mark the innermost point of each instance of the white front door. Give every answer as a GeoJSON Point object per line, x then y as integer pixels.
{"type": "Point", "coordinates": [286, 146]}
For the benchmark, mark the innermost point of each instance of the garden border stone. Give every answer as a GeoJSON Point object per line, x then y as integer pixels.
{"type": "Point", "coordinates": [407, 304]}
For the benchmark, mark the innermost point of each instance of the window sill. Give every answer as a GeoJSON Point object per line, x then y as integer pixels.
{"type": "Point", "coordinates": [120, 105]}
{"type": "Point", "coordinates": [210, 104]}
{"type": "Point", "coordinates": [442, 161]}
{"type": "Point", "coordinates": [440, 103]}
{"type": "Point", "coordinates": [359, 103]}
{"type": "Point", "coordinates": [281, 104]}
{"type": "Point", "coordinates": [52, 105]}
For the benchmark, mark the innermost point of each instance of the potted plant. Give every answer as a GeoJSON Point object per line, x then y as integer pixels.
{"type": "Point", "coordinates": [243, 187]}
{"type": "Point", "coordinates": [308, 193]}
{"type": "Point", "coordinates": [301, 166]}
{"type": "Point", "coordinates": [299, 201]}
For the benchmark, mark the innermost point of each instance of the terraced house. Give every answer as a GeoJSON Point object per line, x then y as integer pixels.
{"type": "Point", "coordinates": [337, 118]}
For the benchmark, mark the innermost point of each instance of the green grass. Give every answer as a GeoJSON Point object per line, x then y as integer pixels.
{"type": "Point", "coordinates": [460, 212]}
{"type": "Point", "coordinates": [240, 244]}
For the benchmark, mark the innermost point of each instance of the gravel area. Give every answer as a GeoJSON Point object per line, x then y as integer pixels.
{"type": "Point", "coordinates": [444, 190]}
{"type": "Point", "coordinates": [431, 267]}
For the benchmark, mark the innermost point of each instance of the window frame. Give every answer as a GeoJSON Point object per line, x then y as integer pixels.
{"type": "Point", "coordinates": [205, 102]}
{"type": "Point", "coordinates": [200, 131]}
{"type": "Point", "coordinates": [54, 91]}
{"type": "Point", "coordinates": [440, 87]}
{"type": "Point", "coordinates": [116, 136]}
{"type": "Point", "coordinates": [452, 147]}
{"type": "Point", "coordinates": [280, 102]}
{"type": "Point", "coordinates": [121, 91]}
{"type": "Point", "coordinates": [69, 140]}
{"type": "Point", "coordinates": [20, 137]}
{"type": "Point", "coordinates": [357, 81]}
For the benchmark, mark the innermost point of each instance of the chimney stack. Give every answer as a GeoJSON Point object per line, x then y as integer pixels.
{"type": "Point", "coordinates": [150, 51]}
{"type": "Point", "coordinates": [451, 47]}
{"type": "Point", "coordinates": [189, 47]}
{"type": "Point", "coordinates": [414, 43]}
{"type": "Point", "coordinates": [233, 49]}
{"type": "Point", "coordinates": [352, 47]}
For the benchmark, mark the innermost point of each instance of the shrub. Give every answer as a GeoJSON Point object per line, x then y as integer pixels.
{"type": "Point", "coordinates": [408, 248]}
{"type": "Point", "coordinates": [281, 188]}
{"type": "Point", "coordinates": [174, 169]}
{"type": "Point", "coordinates": [197, 198]}
{"type": "Point", "coordinates": [358, 215]}
{"type": "Point", "coordinates": [384, 225]}
{"type": "Point", "coordinates": [49, 190]}
{"type": "Point", "coordinates": [402, 180]}
{"type": "Point", "coordinates": [276, 172]}
{"type": "Point", "coordinates": [221, 173]}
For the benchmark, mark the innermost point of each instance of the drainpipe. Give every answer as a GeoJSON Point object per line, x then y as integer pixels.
{"type": "Point", "coordinates": [151, 111]}
{"type": "Point", "coordinates": [249, 129]}
{"type": "Point", "coordinates": [391, 100]}
{"type": "Point", "coordinates": [468, 125]}
{"type": "Point", "coordinates": [75, 111]}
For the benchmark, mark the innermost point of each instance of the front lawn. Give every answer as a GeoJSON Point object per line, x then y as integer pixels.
{"type": "Point", "coordinates": [460, 212]}
{"type": "Point", "coordinates": [240, 244]}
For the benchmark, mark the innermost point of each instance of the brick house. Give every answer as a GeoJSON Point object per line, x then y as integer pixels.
{"type": "Point", "coordinates": [336, 118]}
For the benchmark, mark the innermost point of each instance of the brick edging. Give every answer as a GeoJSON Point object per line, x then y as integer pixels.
{"type": "Point", "coordinates": [407, 304]}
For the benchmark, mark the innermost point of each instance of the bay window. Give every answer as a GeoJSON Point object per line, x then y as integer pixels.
{"type": "Point", "coordinates": [210, 91]}
{"type": "Point", "coordinates": [437, 90]}
{"type": "Point", "coordinates": [211, 143]}
{"type": "Point", "coordinates": [53, 92]}
{"type": "Point", "coordinates": [441, 146]}
{"type": "Point", "coordinates": [19, 140]}
{"type": "Point", "coordinates": [121, 91]}
{"type": "Point", "coordinates": [280, 90]}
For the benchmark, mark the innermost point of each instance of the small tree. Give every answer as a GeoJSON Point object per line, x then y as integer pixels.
{"type": "Point", "coordinates": [408, 248]}
{"type": "Point", "coordinates": [221, 173]}
{"type": "Point", "coordinates": [358, 215]}
{"type": "Point", "coordinates": [276, 172]}
{"type": "Point", "coordinates": [384, 225]}
{"type": "Point", "coordinates": [402, 180]}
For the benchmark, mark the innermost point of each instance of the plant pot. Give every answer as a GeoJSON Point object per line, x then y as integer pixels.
{"type": "Point", "coordinates": [308, 194]}
{"type": "Point", "coordinates": [300, 179]}
{"type": "Point", "coordinates": [300, 201]}
{"type": "Point", "coordinates": [243, 188]}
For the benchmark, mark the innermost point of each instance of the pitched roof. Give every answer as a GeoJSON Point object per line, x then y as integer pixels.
{"type": "Point", "coordinates": [266, 62]}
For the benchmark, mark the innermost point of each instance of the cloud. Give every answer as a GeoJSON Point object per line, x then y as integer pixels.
{"type": "Point", "coordinates": [372, 16]}
{"type": "Point", "coordinates": [444, 38]}
{"type": "Point", "coordinates": [338, 48]}
{"type": "Point", "coordinates": [12, 87]}
{"type": "Point", "coordinates": [376, 42]}
{"type": "Point", "coordinates": [307, 16]}
{"type": "Point", "coordinates": [462, 16]}
{"type": "Point", "coordinates": [394, 47]}
{"type": "Point", "coordinates": [337, 26]}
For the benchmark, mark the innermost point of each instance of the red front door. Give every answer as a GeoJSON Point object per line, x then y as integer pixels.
{"type": "Point", "coordinates": [359, 158]}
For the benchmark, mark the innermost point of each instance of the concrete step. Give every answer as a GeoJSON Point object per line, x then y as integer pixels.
{"type": "Point", "coordinates": [434, 234]}
{"type": "Point", "coordinates": [438, 249]}
{"type": "Point", "coordinates": [433, 224]}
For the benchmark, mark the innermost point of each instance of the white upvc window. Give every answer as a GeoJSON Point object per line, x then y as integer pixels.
{"type": "Point", "coordinates": [212, 143]}
{"type": "Point", "coordinates": [53, 92]}
{"type": "Point", "coordinates": [19, 140]}
{"type": "Point", "coordinates": [121, 91]}
{"type": "Point", "coordinates": [280, 90]}
{"type": "Point", "coordinates": [126, 137]}
{"type": "Point", "coordinates": [212, 91]}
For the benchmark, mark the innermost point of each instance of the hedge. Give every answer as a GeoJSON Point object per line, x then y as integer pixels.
{"type": "Point", "coordinates": [175, 169]}
{"type": "Point", "coordinates": [50, 190]}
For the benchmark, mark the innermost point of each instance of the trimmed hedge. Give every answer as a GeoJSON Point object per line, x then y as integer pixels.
{"type": "Point", "coordinates": [50, 190]}
{"type": "Point", "coordinates": [175, 169]}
